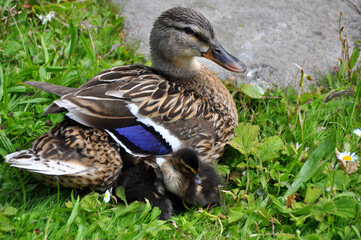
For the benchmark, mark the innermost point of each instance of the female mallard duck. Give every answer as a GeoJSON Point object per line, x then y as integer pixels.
{"type": "Point", "coordinates": [155, 111]}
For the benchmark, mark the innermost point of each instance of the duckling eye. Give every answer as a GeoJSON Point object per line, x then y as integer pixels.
{"type": "Point", "coordinates": [189, 30]}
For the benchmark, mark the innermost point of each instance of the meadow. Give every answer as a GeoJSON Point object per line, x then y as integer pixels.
{"type": "Point", "coordinates": [283, 178]}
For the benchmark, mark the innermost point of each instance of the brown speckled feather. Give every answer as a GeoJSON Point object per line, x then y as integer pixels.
{"type": "Point", "coordinates": [72, 155]}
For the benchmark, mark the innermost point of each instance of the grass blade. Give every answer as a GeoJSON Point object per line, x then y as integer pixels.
{"type": "Point", "coordinates": [74, 213]}
{"type": "Point", "coordinates": [310, 166]}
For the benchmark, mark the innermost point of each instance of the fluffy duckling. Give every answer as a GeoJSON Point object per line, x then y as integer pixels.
{"type": "Point", "coordinates": [165, 182]}
{"type": "Point", "coordinates": [190, 179]}
{"type": "Point", "coordinates": [144, 180]}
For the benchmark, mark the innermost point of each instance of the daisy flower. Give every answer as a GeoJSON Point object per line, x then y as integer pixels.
{"type": "Point", "coordinates": [347, 156]}
{"type": "Point", "coordinates": [47, 18]}
{"type": "Point", "coordinates": [107, 196]}
{"type": "Point", "coordinates": [357, 131]}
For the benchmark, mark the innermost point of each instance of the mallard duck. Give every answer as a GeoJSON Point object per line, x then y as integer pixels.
{"type": "Point", "coordinates": [154, 111]}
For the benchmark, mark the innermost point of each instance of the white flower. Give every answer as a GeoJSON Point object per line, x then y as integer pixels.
{"type": "Point", "coordinates": [347, 156]}
{"type": "Point", "coordinates": [47, 18]}
{"type": "Point", "coordinates": [357, 131]}
{"type": "Point", "coordinates": [298, 146]}
{"type": "Point", "coordinates": [107, 196]}
{"type": "Point", "coordinates": [328, 189]}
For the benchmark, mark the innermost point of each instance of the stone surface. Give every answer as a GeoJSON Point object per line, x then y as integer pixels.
{"type": "Point", "coordinates": [270, 37]}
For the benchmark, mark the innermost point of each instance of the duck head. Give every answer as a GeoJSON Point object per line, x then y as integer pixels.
{"type": "Point", "coordinates": [180, 35]}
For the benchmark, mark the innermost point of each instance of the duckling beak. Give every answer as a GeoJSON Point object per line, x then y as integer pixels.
{"type": "Point", "coordinates": [219, 55]}
{"type": "Point", "coordinates": [197, 179]}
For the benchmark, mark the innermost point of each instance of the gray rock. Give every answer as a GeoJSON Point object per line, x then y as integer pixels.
{"type": "Point", "coordinates": [270, 37]}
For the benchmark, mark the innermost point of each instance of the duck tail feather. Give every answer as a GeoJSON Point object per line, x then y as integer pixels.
{"type": "Point", "coordinates": [51, 88]}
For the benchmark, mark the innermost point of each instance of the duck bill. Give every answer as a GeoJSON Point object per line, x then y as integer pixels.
{"type": "Point", "coordinates": [219, 55]}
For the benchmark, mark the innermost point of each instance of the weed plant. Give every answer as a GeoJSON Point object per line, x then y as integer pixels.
{"type": "Point", "coordinates": [282, 177]}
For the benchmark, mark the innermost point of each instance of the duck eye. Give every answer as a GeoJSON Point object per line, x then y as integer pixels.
{"type": "Point", "coordinates": [188, 30]}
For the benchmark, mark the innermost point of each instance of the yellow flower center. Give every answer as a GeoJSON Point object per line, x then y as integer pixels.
{"type": "Point", "coordinates": [347, 158]}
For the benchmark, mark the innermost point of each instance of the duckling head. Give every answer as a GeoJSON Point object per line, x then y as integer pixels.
{"type": "Point", "coordinates": [180, 35]}
{"type": "Point", "coordinates": [195, 182]}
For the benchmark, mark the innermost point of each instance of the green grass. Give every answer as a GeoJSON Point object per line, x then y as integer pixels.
{"type": "Point", "coordinates": [273, 188]}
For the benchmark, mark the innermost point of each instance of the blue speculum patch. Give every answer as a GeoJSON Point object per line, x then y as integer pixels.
{"type": "Point", "coordinates": [142, 139]}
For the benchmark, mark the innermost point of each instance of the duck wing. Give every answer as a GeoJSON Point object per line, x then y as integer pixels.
{"type": "Point", "coordinates": [133, 104]}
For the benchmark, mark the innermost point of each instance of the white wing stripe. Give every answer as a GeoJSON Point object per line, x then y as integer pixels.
{"type": "Point", "coordinates": [173, 141]}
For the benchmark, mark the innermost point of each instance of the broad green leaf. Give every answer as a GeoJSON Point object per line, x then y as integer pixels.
{"type": "Point", "coordinates": [252, 90]}
{"type": "Point", "coordinates": [236, 214]}
{"type": "Point", "coordinates": [310, 166]}
{"type": "Point", "coordinates": [246, 137]}
{"type": "Point", "coordinates": [354, 56]}
{"type": "Point", "coordinates": [344, 194]}
{"type": "Point", "coordinates": [121, 194]}
{"type": "Point", "coordinates": [69, 204]}
{"type": "Point", "coordinates": [346, 207]}
{"type": "Point", "coordinates": [314, 237]}
{"type": "Point", "coordinates": [90, 201]}
{"type": "Point", "coordinates": [9, 211]}
{"type": "Point", "coordinates": [12, 47]}
{"type": "Point", "coordinates": [269, 149]}
{"type": "Point", "coordinates": [323, 208]}
{"type": "Point", "coordinates": [312, 194]}
{"type": "Point", "coordinates": [5, 224]}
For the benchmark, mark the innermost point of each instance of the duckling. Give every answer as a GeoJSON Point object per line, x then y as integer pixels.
{"type": "Point", "coordinates": [142, 180]}
{"type": "Point", "coordinates": [166, 182]}
{"type": "Point", "coordinates": [192, 180]}
{"type": "Point", "coordinates": [154, 111]}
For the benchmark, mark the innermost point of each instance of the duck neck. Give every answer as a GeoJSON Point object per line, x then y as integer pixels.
{"type": "Point", "coordinates": [179, 67]}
